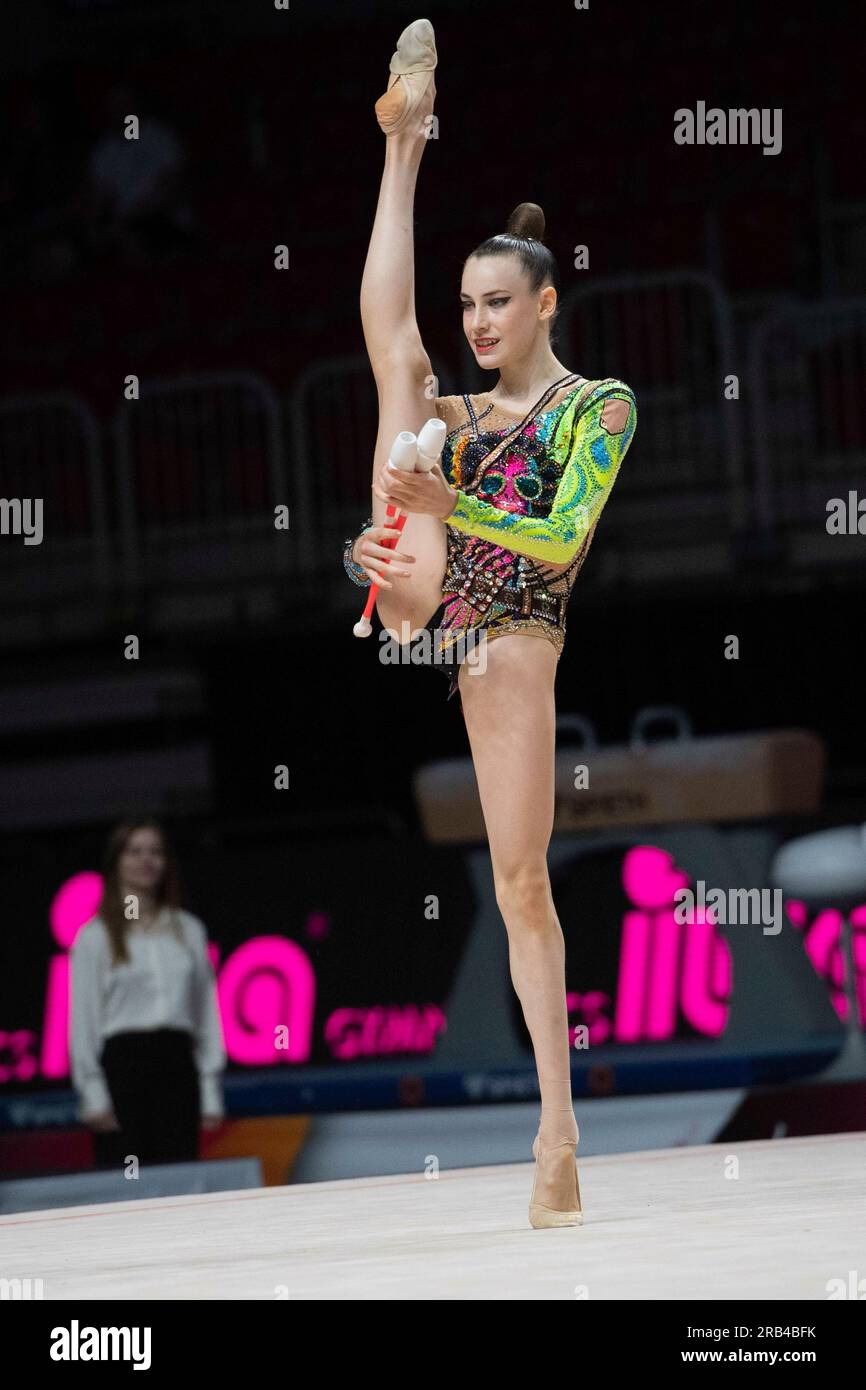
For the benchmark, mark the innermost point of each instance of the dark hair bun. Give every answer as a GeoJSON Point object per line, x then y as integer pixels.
{"type": "Point", "coordinates": [527, 220]}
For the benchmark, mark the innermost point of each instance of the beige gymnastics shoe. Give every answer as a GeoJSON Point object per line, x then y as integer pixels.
{"type": "Point", "coordinates": [557, 1168]}
{"type": "Point", "coordinates": [411, 70]}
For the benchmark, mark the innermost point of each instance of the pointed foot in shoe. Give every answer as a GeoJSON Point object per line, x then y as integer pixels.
{"type": "Point", "coordinates": [390, 108]}
{"type": "Point", "coordinates": [544, 1218]}
{"type": "Point", "coordinates": [416, 48]}
{"type": "Point", "coordinates": [407, 103]}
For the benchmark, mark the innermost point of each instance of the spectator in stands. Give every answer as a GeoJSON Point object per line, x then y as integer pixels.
{"type": "Point", "coordinates": [138, 204]}
{"type": "Point", "coordinates": [42, 233]}
{"type": "Point", "coordinates": [146, 1047]}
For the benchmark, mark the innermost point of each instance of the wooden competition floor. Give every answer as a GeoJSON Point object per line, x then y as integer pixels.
{"type": "Point", "coordinates": [663, 1224]}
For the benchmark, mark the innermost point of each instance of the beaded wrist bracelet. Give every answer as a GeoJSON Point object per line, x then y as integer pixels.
{"type": "Point", "coordinates": [356, 572]}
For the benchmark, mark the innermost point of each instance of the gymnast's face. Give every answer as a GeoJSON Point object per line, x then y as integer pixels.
{"type": "Point", "coordinates": [502, 318]}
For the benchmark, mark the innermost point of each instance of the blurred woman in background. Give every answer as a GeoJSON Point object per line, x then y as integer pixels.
{"type": "Point", "coordinates": [146, 1045]}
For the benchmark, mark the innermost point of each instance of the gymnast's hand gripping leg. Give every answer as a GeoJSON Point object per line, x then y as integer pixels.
{"type": "Point", "coordinates": [412, 454]}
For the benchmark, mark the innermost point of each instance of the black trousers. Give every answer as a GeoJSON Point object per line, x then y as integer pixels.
{"type": "Point", "coordinates": [154, 1087]}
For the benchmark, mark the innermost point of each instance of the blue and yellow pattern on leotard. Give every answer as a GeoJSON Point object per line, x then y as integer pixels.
{"type": "Point", "coordinates": [581, 449]}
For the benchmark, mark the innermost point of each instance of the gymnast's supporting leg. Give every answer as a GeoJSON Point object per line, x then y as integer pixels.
{"type": "Point", "coordinates": [510, 718]}
{"type": "Point", "coordinates": [402, 369]}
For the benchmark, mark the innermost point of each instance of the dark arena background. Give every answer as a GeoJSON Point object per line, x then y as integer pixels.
{"type": "Point", "coordinates": [187, 422]}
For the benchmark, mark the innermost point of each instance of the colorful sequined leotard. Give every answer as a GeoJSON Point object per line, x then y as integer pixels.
{"type": "Point", "coordinates": [525, 518]}
{"type": "Point", "coordinates": [522, 530]}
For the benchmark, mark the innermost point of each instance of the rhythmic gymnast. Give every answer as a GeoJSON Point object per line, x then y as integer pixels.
{"type": "Point", "coordinates": [495, 537]}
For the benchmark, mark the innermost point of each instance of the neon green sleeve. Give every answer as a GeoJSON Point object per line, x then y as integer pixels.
{"type": "Point", "coordinates": [593, 448]}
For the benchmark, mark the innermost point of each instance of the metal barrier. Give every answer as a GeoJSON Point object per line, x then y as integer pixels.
{"type": "Point", "coordinates": [200, 472]}
{"type": "Point", "coordinates": [200, 463]}
{"type": "Point", "coordinates": [50, 453]}
{"type": "Point", "coordinates": [807, 370]}
{"type": "Point", "coordinates": [333, 411]}
{"type": "Point", "coordinates": [670, 336]}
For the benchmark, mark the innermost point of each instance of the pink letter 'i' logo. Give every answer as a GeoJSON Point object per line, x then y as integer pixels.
{"type": "Point", "coordinates": [858, 951]}
{"type": "Point", "coordinates": [822, 938]}
{"type": "Point", "coordinates": [74, 903]}
{"type": "Point", "coordinates": [665, 964]}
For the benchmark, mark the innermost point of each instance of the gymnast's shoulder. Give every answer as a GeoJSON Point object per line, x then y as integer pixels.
{"type": "Point", "coordinates": [451, 409]}
{"type": "Point", "coordinates": [618, 405]}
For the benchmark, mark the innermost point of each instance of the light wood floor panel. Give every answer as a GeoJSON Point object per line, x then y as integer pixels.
{"type": "Point", "coordinates": [664, 1224]}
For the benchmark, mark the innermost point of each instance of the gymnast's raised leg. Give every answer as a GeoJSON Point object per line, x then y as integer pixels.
{"type": "Point", "coordinates": [401, 367]}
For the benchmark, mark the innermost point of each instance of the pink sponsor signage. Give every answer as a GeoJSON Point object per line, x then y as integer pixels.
{"type": "Point", "coordinates": [668, 971]}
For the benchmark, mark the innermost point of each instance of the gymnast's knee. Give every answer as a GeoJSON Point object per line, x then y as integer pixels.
{"type": "Point", "coordinates": [520, 889]}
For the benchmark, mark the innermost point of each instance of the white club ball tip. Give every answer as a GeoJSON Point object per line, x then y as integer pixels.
{"type": "Point", "coordinates": [431, 440]}
{"type": "Point", "coordinates": [431, 436]}
{"type": "Point", "coordinates": [404, 451]}
{"type": "Point", "coordinates": [363, 627]}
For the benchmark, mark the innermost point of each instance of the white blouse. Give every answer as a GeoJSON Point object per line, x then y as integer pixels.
{"type": "Point", "coordinates": [164, 985]}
